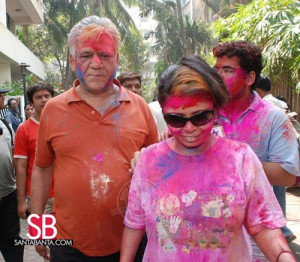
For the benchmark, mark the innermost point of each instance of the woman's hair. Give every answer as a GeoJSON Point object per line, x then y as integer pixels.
{"type": "Point", "coordinates": [192, 77]}
{"type": "Point", "coordinates": [92, 27]}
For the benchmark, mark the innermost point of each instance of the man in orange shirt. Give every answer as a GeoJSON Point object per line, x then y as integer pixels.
{"type": "Point", "coordinates": [25, 146]}
{"type": "Point", "coordinates": [89, 135]}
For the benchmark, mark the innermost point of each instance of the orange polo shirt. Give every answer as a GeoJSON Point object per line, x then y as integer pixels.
{"type": "Point", "coordinates": [91, 155]}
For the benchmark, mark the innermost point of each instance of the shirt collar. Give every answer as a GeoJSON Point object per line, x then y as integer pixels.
{"type": "Point", "coordinates": [254, 106]}
{"type": "Point", "coordinates": [74, 97]}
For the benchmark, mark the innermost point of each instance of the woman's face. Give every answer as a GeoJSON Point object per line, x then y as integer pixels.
{"type": "Point", "coordinates": [29, 111]}
{"type": "Point", "coordinates": [189, 136]}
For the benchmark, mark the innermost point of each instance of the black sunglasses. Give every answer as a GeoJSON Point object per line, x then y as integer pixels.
{"type": "Point", "coordinates": [199, 119]}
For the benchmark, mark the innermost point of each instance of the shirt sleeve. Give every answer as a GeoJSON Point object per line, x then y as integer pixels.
{"type": "Point", "coordinates": [44, 156]}
{"type": "Point", "coordinates": [21, 144]}
{"type": "Point", "coordinates": [283, 146]}
{"type": "Point", "coordinates": [263, 210]}
{"type": "Point", "coordinates": [135, 214]}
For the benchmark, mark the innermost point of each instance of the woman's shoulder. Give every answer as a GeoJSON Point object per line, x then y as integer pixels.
{"type": "Point", "coordinates": [157, 149]}
{"type": "Point", "coordinates": [234, 146]}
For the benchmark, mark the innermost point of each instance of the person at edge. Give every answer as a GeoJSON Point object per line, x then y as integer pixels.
{"type": "Point", "coordinates": [13, 116]}
{"type": "Point", "coordinates": [249, 119]}
{"type": "Point", "coordinates": [9, 220]}
{"type": "Point", "coordinates": [203, 191]}
{"type": "Point", "coordinates": [88, 135]}
{"type": "Point", "coordinates": [25, 147]}
{"type": "Point", "coordinates": [263, 88]}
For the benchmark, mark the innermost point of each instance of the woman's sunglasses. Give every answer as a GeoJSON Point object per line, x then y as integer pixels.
{"type": "Point", "coordinates": [198, 119]}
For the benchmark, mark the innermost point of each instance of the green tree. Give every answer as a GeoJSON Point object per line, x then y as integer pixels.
{"type": "Point", "coordinates": [274, 26]}
{"type": "Point", "coordinates": [175, 36]}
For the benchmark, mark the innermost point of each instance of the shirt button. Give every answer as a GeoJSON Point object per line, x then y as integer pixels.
{"type": "Point", "coordinates": [93, 112]}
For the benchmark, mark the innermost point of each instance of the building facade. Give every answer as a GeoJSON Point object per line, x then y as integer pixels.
{"type": "Point", "coordinates": [12, 51]}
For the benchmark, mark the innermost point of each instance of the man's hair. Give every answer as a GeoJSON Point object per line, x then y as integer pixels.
{"type": "Point", "coordinates": [37, 87]}
{"type": "Point", "coordinates": [192, 77]}
{"type": "Point", "coordinates": [92, 27]}
{"type": "Point", "coordinates": [249, 55]}
{"type": "Point", "coordinates": [264, 83]}
{"type": "Point", "coordinates": [129, 76]}
{"type": "Point", "coordinates": [10, 100]}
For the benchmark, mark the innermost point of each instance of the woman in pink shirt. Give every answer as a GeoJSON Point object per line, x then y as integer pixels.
{"type": "Point", "coordinates": [196, 194]}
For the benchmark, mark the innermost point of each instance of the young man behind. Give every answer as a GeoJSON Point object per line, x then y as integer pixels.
{"type": "Point", "coordinates": [25, 147]}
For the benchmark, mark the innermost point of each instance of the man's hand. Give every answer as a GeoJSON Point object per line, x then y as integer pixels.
{"type": "Point", "coordinates": [134, 160]}
{"type": "Point", "coordinates": [22, 208]}
{"type": "Point", "coordinates": [164, 135]}
{"type": "Point", "coordinates": [43, 251]}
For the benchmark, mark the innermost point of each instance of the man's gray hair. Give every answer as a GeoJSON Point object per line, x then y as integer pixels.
{"type": "Point", "coordinates": [101, 21]}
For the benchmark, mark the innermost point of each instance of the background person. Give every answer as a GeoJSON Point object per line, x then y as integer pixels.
{"type": "Point", "coordinates": [249, 119]}
{"type": "Point", "coordinates": [9, 220]}
{"type": "Point", "coordinates": [13, 116]}
{"type": "Point", "coordinates": [88, 135]}
{"type": "Point", "coordinates": [263, 88]}
{"type": "Point", "coordinates": [202, 191]}
{"type": "Point", "coordinates": [25, 147]}
{"type": "Point", "coordinates": [132, 81]}
{"type": "Point", "coordinates": [29, 111]}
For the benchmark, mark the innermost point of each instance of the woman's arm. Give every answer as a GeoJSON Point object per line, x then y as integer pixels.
{"type": "Point", "coordinates": [272, 243]}
{"type": "Point", "coordinates": [130, 242]}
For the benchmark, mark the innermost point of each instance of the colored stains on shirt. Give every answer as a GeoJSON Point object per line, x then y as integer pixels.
{"type": "Point", "coordinates": [98, 158]}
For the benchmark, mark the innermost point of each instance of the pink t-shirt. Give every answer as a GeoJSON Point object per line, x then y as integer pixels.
{"type": "Point", "coordinates": [198, 208]}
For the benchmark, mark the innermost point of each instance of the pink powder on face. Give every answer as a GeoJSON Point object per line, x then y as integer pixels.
{"type": "Point", "coordinates": [98, 158]}
{"type": "Point", "coordinates": [183, 101]}
{"type": "Point", "coordinates": [103, 44]}
{"type": "Point", "coordinates": [236, 82]}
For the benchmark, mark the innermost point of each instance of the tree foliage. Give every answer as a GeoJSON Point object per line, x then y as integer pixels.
{"type": "Point", "coordinates": [273, 25]}
{"type": "Point", "coordinates": [175, 36]}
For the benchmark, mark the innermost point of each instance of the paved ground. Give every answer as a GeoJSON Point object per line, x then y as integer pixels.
{"type": "Point", "coordinates": [293, 221]}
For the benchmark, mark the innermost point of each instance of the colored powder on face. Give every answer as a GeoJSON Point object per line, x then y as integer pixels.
{"type": "Point", "coordinates": [112, 77]}
{"type": "Point", "coordinates": [236, 82]}
{"type": "Point", "coordinates": [97, 36]}
{"type": "Point", "coordinates": [103, 44]}
{"type": "Point", "coordinates": [98, 158]}
{"type": "Point", "coordinates": [79, 75]}
{"type": "Point", "coordinates": [181, 101]}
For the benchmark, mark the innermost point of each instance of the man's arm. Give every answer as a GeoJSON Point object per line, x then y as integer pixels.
{"type": "Point", "coordinates": [277, 175]}
{"type": "Point", "coordinates": [40, 188]}
{"type": "Point", "coordinates": [21, 173]}
{"type": "Point", "coordinates": [130, 242]}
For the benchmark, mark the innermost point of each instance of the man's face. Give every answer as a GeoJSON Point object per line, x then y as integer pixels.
{"type": "Point", "coordinates": [232, 74]}
{"type": "Point", "coordinates": [133, 85]}
{"type": "Point", "coordinates": [2, 101]}
{"type": "Point", "coordinates": [95, 63]}
{"type": "Point", "coordinates": [13, 105]}
{"type": "Point", "coordinates": [40, 98]}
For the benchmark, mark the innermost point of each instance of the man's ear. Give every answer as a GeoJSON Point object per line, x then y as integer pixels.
{"type": "Point", "coordinates": [251, 78]}
{"type": "Point", "coordinates": [72, 63]}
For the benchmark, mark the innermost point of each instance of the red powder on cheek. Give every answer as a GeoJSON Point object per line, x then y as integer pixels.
{"type": "Point", "coordinates": [182, 102]}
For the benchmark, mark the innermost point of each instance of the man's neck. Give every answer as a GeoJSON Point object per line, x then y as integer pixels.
{"type": "Point", "coordinates": [100, 101]}
{"type": "Point", "coordinates": [37, 117]}
{"type": "Point", "coordinates": [236, 106]}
